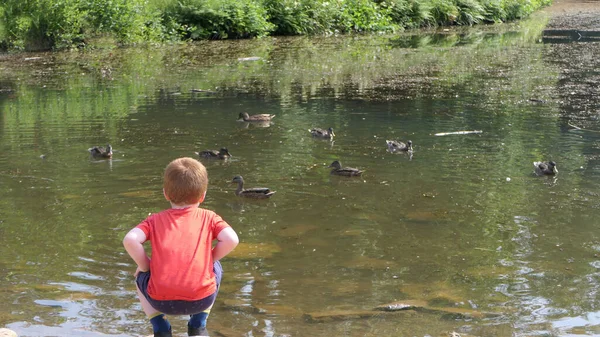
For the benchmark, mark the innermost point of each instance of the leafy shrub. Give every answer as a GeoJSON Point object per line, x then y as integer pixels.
{"type": "Point", "coordinates": [362, 16]}
{"type": "Point", "coordinates": [292, 17]}
{"type": "Point", "coordinates": [444, 12]}
{"type": "Point", "coordinates": [328, 17]}
{"type": "Point", "coordinates": [217, 19]}
{"type": "Point", "coordinates": [409, 13]}
{"type": "Point", "coordinates": [470, 12]}
{"type": "Point", "coordinates": [45, 24]}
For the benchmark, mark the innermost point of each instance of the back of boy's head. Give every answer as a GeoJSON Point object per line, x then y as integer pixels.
{"type": "Point", "coordinates": [185, 181]}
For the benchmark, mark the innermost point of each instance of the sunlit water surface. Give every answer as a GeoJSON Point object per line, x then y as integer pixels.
{"type": "Point", "coordinates": [462, 223]}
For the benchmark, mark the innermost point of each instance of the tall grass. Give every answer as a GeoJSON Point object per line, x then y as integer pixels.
{"type": "Point", "coordinates": [46, 24]}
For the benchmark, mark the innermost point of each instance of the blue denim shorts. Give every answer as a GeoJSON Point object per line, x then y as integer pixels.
{"type": "Point", "coordinates": [180, 307]}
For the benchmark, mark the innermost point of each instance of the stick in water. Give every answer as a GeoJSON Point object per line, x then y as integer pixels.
{"type": "Point", "coordinates": [458, 133]}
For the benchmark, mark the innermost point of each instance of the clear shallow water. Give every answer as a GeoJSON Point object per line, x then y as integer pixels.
{"type": "Point", "coordinates": [445, 226]}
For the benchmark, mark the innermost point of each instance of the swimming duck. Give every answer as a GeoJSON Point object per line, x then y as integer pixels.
{"type": "Point", "coordinates": [255, 193]}
{"type": "Point", "coordinates": [255, 118]}
{"type": "Point", "coordinates": [344, 171]}
{"type": "Point", "coordinates": [545, 168]}
{"type": "Point", "coordinates": [320, 133]}
{"type": "Point", "coordinates": [100, 152]}
{"type": "Point", "coordinates": [395, 146]}
{"type": "Point", "coordinates": [223, 153]}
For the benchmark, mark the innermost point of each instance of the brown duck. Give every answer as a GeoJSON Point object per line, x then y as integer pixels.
{"type": "Point", "coordinates": [398, 146]}
{"type": "Point", "coordinates": [545, 168]}
{"type": "Point", "coordinates": [255, 118]}
{"type": "Point", "coordinates": [321, 133]}
{"type": "Point", "coordinates": [100, 152]}
{"type": "Point", "coordinates": [344, 171]}
{"type": "Point", "coordinates": [223, 153]}
{"type": "Point", "coordinates": [255, 193]}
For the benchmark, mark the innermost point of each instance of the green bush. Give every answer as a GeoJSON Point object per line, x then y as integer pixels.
{"type": "Point", "coordinates": [470, 12]}
{"type": "Point", "coordinates": [409, 13]}
{"type": "Point", "coordinates": [38, 24]}
{"type": "Point", "coordinates": [46, 24]}
{"type": "Point", "coordinates": [216, 19]}
{"type": "Point", "coordinates": [300, 17]}
{"type": "Point", "coordinates": [328, 17]}
{"type": "Point", "coordinates": [362, 16]}
{"type": "Point", "coordinates": [128, 20]}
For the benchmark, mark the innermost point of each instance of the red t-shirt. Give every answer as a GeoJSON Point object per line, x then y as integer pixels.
{"type": "Point", "coordinates": [181, 265]}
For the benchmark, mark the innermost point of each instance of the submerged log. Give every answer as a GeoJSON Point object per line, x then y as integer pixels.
{"type": "Point", "coordinates": [402, 305]}
{"type": "Point", "coordinates": [444, 312]}
{"type": "Point", "coordinates": [343, 315]}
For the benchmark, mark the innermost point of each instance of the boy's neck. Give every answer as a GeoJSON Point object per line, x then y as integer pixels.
{"type": "Point", "coordinates": [184, 206]}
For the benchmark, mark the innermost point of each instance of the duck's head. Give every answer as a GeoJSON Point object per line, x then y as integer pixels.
{"type": "Point", "coordinates": [331, 132]}
{"type": "Point", "coordinates": [108, 149]}
{"type": "Point", "coordinates": [244, 115]}
{"type": "Point", "coordinates": [224, 151]}
{"type": "Point", "coordinates": [237, 179]}
{"type": "Point", "coordinates": [409, 144]}
{"type": "Point", "coordinates": [552, 164]}
{"type": "Point", "coordinates": [336, 165]}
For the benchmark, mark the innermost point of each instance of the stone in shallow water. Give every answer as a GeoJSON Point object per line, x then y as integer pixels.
{"type": "Point", "coordinates": [254, 250]}
{"type": "Point", "coordinates": [7, 333]}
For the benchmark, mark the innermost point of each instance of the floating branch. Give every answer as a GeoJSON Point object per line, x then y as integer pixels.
{"type": "Point", "coordinates": [582, 129]}
{"type": "Point", "coordinates": [458, 133]}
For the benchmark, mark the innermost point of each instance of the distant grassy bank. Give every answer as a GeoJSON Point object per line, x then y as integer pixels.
{"type": "Point", "coordinates": [58, 24]}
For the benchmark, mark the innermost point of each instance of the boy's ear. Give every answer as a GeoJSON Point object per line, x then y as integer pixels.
{"type": "Point", "coordinates": [202, 199]}
{"type": "Point", "coordinates": [165, 194]}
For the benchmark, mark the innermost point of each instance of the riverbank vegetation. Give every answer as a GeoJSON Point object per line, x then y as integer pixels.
{"type": "Point", "coordinates": [53, 24]}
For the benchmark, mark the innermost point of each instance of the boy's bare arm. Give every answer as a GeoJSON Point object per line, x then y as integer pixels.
{"type": "Point", "coordinates": [133, 245]}
{"type": "Point", "coordinates": [228, 240]}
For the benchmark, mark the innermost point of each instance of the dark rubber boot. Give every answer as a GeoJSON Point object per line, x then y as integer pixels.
{"type": "Point", "coordinates": [163, 334]}
{"type": "Point", "coordinates": [197, 331]}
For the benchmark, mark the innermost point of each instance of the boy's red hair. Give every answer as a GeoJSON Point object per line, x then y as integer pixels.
{"type": "Point", "coordinates": [185, 181]}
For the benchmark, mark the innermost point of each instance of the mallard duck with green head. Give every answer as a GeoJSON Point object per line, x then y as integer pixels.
{"type": "Point", "coordinates": [545, 168]}
{"type": "Point", "coordinates": [255, 193]}
{"type": "Point", "coordinates": [223, 153]}
{"type": "Point", "coordinates": [101, 152]}
{"type": "Point", "coordinates": [322, 133]}
{"type": "Point", "coordinates": [255, 118]}
{"type": "Point", "coordinates": [344, 171]}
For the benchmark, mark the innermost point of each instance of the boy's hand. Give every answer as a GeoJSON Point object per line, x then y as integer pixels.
{"type": "Point", "coordinates": [138, 270]}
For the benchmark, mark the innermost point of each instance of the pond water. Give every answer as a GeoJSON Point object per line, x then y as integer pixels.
{"type": "Point", "coordinates": [463, 224]}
